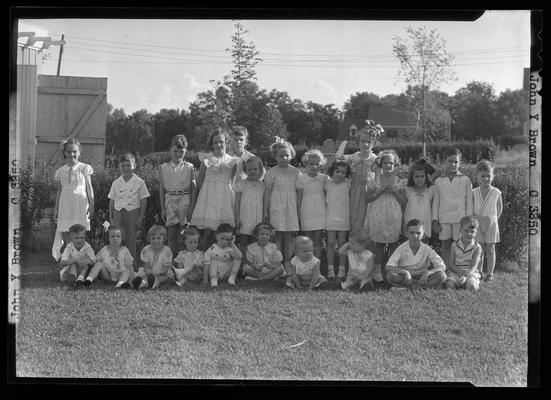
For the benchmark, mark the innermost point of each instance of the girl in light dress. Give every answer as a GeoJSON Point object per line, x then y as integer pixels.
{"type": "Point", "coordinates": [487, 206]}
{"type": "Point", "coordinates": [215, 201]}
{"type": "Point", "coordinates": [74, 201]}
{"type": "Point", "coordinates": [280, 199]}
{"type": "Point", "coordinates": [263, 259]}
{"type": "Point", "coordinates": [249, 199]}
{"type": "Point", "coordinates": [337, 217]}
{"type": "Point", "coordinates": [362, 172]}
{"type": "Point", "coordinates": [311, 198]}
{"type": "Point", "coordinates": [383, 221]}
{"type": "Point", "coordinates": [157, 261]}
{"type": "Point", "coordinates": [420, 193]}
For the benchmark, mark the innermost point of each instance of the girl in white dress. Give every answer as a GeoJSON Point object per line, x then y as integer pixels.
{"type": "Point", "coordinates": [420, 192]}
{"type": "Point", "coordinates": [249, 199]}
{"type": "Point", "coordinates": [337, 217]}
{"type": "Point", "coordinates": [487, 206]}
{"type": "Point", "coordinates": [383, 220]}
{"type": "Point", "coordinates": [215, 201]}
{"type": "Point", "coordinates": [311, 198]}
{"type": "Point", "coordinates": [74, 201]}
{"type": "Point", "coordinates": [280, 199]}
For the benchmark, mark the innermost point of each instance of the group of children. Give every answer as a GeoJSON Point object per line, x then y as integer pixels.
{"type": "Point", "coordinates": [236, 217]}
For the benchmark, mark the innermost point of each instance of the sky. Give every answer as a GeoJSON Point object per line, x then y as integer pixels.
{"type": "Point", "coordinates": [155, 64]}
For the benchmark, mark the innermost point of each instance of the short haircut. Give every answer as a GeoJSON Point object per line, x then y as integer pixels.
{"type": "Point", "coordinates": [239, 131]}
{"type": "Point", "coordinates": [266, 226]}
{"type": "Point", "coordinates": [415, 222]}
{"type": "Point", "coordinates": [127, 157]}
{"type": "Point", "coordinates": [190, 231]}
{"type": "Point", "coordinates": [338, 163]}
{"type": "Point", "coordinates": [452, 151]}
{"type": "Point", "coordinates": [157, 229]}
{"type": "Point", "coordinates": [71, 141]}
{"type": "Point", "coordinates": [316, 153]}
{"type": "Point", "coordinates": [225, 228]}
{"type": "Point", "coordinates": [300, 240]}
{"type": "Point", "coordinates": [179, 141]}
{"type": "Point", "coordinates": [359, 235]}
{"type": "Point", "coordinates": [253, 159]}
{"type": "Point", "coordinates": [469, 219]}
{"type": "Point", "coordinates": [275, 147]}
{"type": "Point", "coordinates": [485, 166]}
{"type": "Point", "coordinates": [216, 132]}
{"type": "Point", "coordinates": [385, 154]}
{"type": "Point", "coordinates": [77, 228]}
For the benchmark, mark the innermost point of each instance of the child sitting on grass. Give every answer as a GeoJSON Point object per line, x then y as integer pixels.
{"type": "Point", "coordinates": [189, 262]}
{"type": "Point", "coordinates": [113, 262]}
{"type": "Point", "coordinates": [263, 259]}
{"type": "Point", "coordinates": [360, 259]}
{"type": "Point", "coordinates": [305, 267]}
{"type": "Point", "coordinates": [409, 265]}
{"type": "Point", "coordinates": [156, 259]}
{"type": "Point", "coordinates": [77, 257]}
{"type": "Point", "coordinates": [223, 258]}
{"type": "Point", "coordinates": [465, 257]}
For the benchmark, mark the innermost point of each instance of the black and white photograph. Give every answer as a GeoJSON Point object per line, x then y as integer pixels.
{"type": "Point", "coordinates": [255, 197]}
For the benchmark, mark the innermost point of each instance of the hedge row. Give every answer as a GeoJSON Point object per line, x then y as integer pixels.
{"type": "Point", "coordinates": [38, 193]}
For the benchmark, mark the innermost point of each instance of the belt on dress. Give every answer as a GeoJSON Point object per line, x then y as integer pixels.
{"type": "Point", "coordinates": [177, 192]}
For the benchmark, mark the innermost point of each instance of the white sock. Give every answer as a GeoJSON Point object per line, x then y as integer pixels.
{"type": "Point", "coordinates": [213, 282]}
{"type": "Point", "coordinates": [80, 278]}
{"type": "Point", "coordinates": [119, 284]}
{"type": "Point", "coordinates": [89, 279]}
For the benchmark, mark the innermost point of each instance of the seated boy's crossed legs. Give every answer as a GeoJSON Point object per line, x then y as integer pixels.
{"type": "Point", "coordinates": [434, 280]}
{"type": "Point", "coordinates": [454, 281]}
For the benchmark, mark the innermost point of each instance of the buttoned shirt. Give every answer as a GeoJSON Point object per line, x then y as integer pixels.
{"type": "Point", "coordinates": [128, 194]}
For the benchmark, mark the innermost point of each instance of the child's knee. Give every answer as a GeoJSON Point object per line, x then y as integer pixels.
{"type": "Point", "coordinates": [472, 284]}
{"type": "Point", "coordinates": [451, 284]}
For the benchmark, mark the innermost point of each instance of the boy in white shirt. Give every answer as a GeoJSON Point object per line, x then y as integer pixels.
{"type": "Point", "coordinates": [77, 257]}
{"type": "Point", "coordinates": [453, 199]}
{"type": "Point", "coordinates": [128, 200]}
{"type": "Point", "coordinates": [409, 265]}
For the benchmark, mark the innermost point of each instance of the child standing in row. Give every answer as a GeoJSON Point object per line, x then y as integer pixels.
{"type": "Point", "coordinates": [420, 193]}
{"type": "Point", "coordinates": [362, 172]}
{"type": "Point", "coordinates": [215, 202]}
{"type": "Point", "coordinates": [223, 258]}
{"type": "Point", "coordinates": [77, 257]}
{"type": "Point", "coordinates": [453, 199]}
{"type": "Point", "coordinates": [239, 137]}
{"type": "Point", "coordinates": [263, 259]}
{"type": "Point", "coordinates": [189, 262]}
{"type": "Point", "coordinates": [114, 263]}
{"type": "Point", "coordinates": [465, 257]}
{"type": "Point", "coordinates": [249, 199]}
{"type": "Point", "coordinates": [127, 201]}
{"type": "Point", "coordinates": [337, 218]}
{"type": "Point", "coordinates": [74, 200]}
{"type": "Point", "coordinates": [487, 207]}
{"type": "Point", "coordinates": [360, 259]}
{"type": "Point", "coordinates": [409, 265]}
{"type": "Point", "coordinates": [305, 267]}
{"type": "Point", "coordinates": [383, 222]}
{"type": "Point", "coordinates": [280, 199]}
{"type": "Point", "coordinates": [177, 192]}
{"type": "Point", "coordinates": [311, 198]}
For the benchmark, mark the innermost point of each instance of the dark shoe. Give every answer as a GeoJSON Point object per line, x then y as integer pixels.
{"type": "Point", "coordinates": [150, 280]}
{"type": "Point", "coordinates": [136, 282]}
{"type": "Point", "coordinates": [87, 284]}
{"type": "Point", "coordinates": [79, 284]}
{"type": "Point", "coordinates": [489, 277]}
{"type": "Point", "coordinates": [125, 285]}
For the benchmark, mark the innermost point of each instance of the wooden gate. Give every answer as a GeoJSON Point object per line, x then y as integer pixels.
{"type": "Point", "coordinates": [71, 107]}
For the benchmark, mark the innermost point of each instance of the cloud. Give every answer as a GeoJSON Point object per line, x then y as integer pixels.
{"type": "Point", "coordinates": [325, 93]}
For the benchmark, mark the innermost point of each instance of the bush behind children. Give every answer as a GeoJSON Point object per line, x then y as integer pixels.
{"type": "Point", "coordinates": [236, 219]}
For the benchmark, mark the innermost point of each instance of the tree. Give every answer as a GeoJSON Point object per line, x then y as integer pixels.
{"type": "Point", "coordinates": [133, 133]}
{"type": "Point", "coordinates": [166, 124]}
{"type": "Point", "coordinates": [358, 104]}
{"type": "Point", "coordinates": [475, 113]}
{"type": "Point", "coordinates": [424, 64]}
{"type": "Point", "coordinates": [514, 108]}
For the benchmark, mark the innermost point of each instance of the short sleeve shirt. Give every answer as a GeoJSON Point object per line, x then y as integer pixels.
{"type": "Point", "coordinates": [418, 263]}
{"type": "Point", "coordinates": [158, 261]}
{"type": "Point", "coordinates": [186, 258]}
{"type": "Point", "coordinates": [116, 260]}
{"type": "Point", "coordinates": [71, 251]}
{"type": "Point", "coordinates": [216, 253]}
{"type": "Point", "coordinates": [127, 195]}
{"type": "Point", "coordinates": [177, 177]}
{"type": "Point", "coordinates": [358, 262]}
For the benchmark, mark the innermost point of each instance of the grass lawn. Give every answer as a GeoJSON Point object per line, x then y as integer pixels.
{"type": "Point", "coordinates": [267, 331]}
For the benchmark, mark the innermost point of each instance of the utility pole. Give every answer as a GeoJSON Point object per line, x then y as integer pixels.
{"type": "Point", "coordinates": [60, 54]}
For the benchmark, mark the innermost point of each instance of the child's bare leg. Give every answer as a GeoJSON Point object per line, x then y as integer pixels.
{"type": "Point", "coordinates": [244, 241]}
{"type": "Point", "coordinates": [123, 278]}
{"type": "Point", "coordinates": [446, 244]}
{"type": "Point", "coordinates": [250, 271]}
{"type": "Point", "coordinates": [206, 273]}
{"type": "Point", "coordinates": [274, 273]}
{"type": "Point", "coordinates": [331, 243]}
{"type": "Point", "coordinates": [490, 253]}
{"type": "Point", "coordinates": [472, 284]}
{"type": "Point", "coordinates": [94, 272]}
{"type": "Point", "coordinates": [379, 258]}
{"type": "Point", "coordinates": [173, 232]}
{"type": "Point", "coordinates": [287, 250]}
{"type": "Point", "coordinates": [235, 265]}
{"type": "Point", "coordinates": [159, 280]}
{"type": "Point", "coordinates": [213, 272]}
{"type": "Point", "coordinates": [315, 236]}
{"type": "Point", "coordinates": [341, 240]}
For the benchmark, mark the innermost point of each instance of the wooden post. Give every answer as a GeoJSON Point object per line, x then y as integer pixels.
{"type": "Point", "coordinates": [60, 54]}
